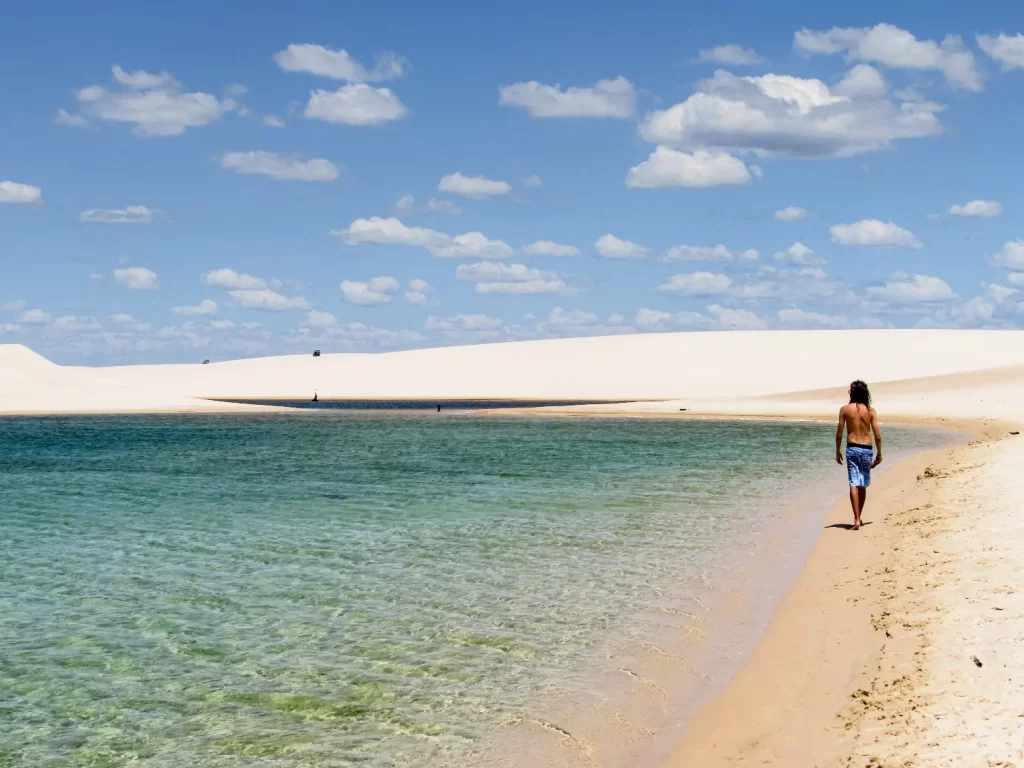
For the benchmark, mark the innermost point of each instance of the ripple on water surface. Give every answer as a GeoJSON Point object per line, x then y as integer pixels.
{"type": "Point", "coordinates": [365, 590]}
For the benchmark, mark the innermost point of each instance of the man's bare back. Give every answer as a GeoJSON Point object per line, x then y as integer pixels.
{"type": "Point", "coordinates": [859, 420]}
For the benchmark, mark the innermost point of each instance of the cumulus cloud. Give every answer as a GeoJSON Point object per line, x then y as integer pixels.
{"type": "Point", "coordinates": [903, 289]}
{"type": "Point", "coordinates": [132, 214]}
{"type": "Point", "coordinates": [697, 284]}
{"type": "Point", "coordinates": [533, 181]}
{"type": "Point", "coordinates": [872, 232]}
{"type": "Point", "coordinates": [391, 231]}
{"type": "Point", "coordinates": [659, 320]}
{"type": "Point", "coordinates": [863, 81]}
{"type": "Point", "coordinates": [137, 278]}
{"type": "Point", "coordinates": [280, 167]}
{"type": "Point", "coordinates": [1008, 50]}
{"type": "Point", "coordinates": [798, 253]}
{"type": "Point", "coordinates": [707, 253]}
{"type": "Point", "coordinates": [379, 290]}
{"type": "Point", "coordinates": [337, 64]}
{"type": "Point", "coordinates": [793, 317]}
{"type": "Point", "coordinates": [498, 278]}
{"type": "Point", "coordinates": [419, 292]}
{"type": "Point", "coordinates": [34, 317]}
{"type": "Point", "coordinates": [153, 104]}
{"type": "Point", "coordinates": [471, 245]}
{"type": "Point", "coordinates": [791, 213]}
{"type": "Point", "coordinates": [730, 319]}
{"type": "Point", "coordinates": [273, 121]}
{"type": "Point", "coordinates": [265, 298]}
{"type": "Point", "coordinates": [1011, 255]}
{"type": "Point", "coordinates": [667, 167]}
{"type": "Point", "coordinates": [549, 248]}
{"type": "Point", "coordinates": [980, 208]}
{"type": "Point", "coordinates": [608, 98]}
{"type": "Point", "coordinates": [317, 319]}
{"type": "Point", "coordinates": [612, 247]}
{"type": "Point", "coordinates": [469, 327]}
{"type": "Point", "coordinates": [205, 307]}
{"type": "Point", "coordinates": [783, 115]}
{"type": "Point", "coordinates": [405, 203]}
{"type": "Point", "coordinates": [13, 192]}
{"type": "Point", "coordinates": [355, 104]}
{"type": "Point", "coordinates": [231, 280]}
{"type": "Point", "coordinates": [69, 120]}
{"type": "Point", "coordinates": [12, 306]}
{"type": "Point", "coordinates": [735, 55]}
{"type": "Point", "coordinates": [473, 186]}
{"type": "Point", "coordinates": [896, 48]}
{"type": "Point", "coordinates": [433, 205]}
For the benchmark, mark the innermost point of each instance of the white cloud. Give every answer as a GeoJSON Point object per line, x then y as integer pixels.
{"type": "Point", "coordinates": [474, 327]}
{"type": "Point", "coordinates": [137, 278]}
{"type": "Point", "coordinates": [791, 213]}
{"type": "Point", "coordinates": [658, 320]}
{"type": "Point", "coordinates": [533, 181]}
{"type": "Point", "coordinates": [71, 121]}
{"type": "Point", "coordinates": [1017, 278]}
{"type": "Point", "coordinates": [608, 98]}
{"type": "Point", "coordinates": [1011, 255]}
{"type": "Point", "coordinates": [97, 277]}
{"type": "Point", "coordinates": [13, 192]}
{"type": "Point", "coordinates": [1008, 50]}
{"type": "Point", "coordinates": [863, 81]}
{"type": "Point", "coordinates": [707, 253]}
{"type": "Point", "coordinates": [794, 317]}
{"type": "Point", "coordinates": [697, 284]}
{"type": "Point", "coordinates": [671, 168]}
{"type": "Point", "coordinates": [222, 325]}
{"type": "Point", "coordinates": [34, 317]}
{"type": "Point", "coordinates": [379, 290]}
{"type": "Point", "coordinates": [612, 247]}
{"type": "Point", "coordinates": [733, 54]}
{"type": "Point", "coordinates": [419, 292]}
{"type": "Point", "coordinates": [497, 278]}
{"type": "Point", "coordinates": [473, 186]}
{"type": "Point", "coordinates": [12, 306]}
{"type": "Point", "coordinates": [389, 231]}
{"type": "Point", "coordinates": [280, 167]}
{"type": "Point", "coordinates": [873, 232]}
{"type": "Point", "coordinates": [231, 280]}
{"type": "Point", "coordinates": [264, 298]}
{"type": "Point", "coordinates": [471, 245]}
{"type": "Point", "coordinates": [902, 289]}
{"type": "Point", "coordinates": [337, 64]}
{"type": "Point", "coordinates": [205, 307]}
{"type": "Point", "coordinates": [152, 103]}
{"type": "Point", "coordinates": [132, 214]}
{"type": "Point", "coordinates": [355, 104]}
{"type": "Point", "coordinates": [548, 248]}
{"type": "Point", "coordinates": [122, 318]}
{"type": "Point", "coordinates": [798, 253]}
{"type": "Point", "coordinates": [433, 205]}
{"type": "Point", "coordinates": [982, 208]}
{"type": "Point", "coordinates": [731, 319]}
{"type": "Point", "coordinates": [779, 114]}
{"type": "Point", "coordinates": [896, 48]}
{"type": "Point", "coordinates": [273, 121]}
{"type": "Point", "coordinates": [316, 319]}
{"type": "Point", "coordinates": [405, 203]}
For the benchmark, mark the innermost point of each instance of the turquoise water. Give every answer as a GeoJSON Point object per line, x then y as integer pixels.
{"type": "Point", "coordinates": [344, 590]}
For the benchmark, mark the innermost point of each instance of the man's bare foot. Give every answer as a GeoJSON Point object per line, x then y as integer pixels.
{"type": "Point", "coordinates": [856, 526]}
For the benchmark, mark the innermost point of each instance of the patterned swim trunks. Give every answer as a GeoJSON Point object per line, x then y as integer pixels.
{"type": "Point", "coordinates": [858, 464]}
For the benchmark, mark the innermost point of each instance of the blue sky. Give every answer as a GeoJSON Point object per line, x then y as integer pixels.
{"type": "Point", "coordinates": [209, 180]}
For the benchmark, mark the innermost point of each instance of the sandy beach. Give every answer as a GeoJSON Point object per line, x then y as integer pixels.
{"type": "Point", "coordinates": [897, 646]}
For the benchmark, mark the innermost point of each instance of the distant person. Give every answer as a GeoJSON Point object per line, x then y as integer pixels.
{"type": "Point", "coordinates": [316, 396]}
{"type": "Point", "coordinates": [860, 421]}
{"type": "Point", "coordinates": [438, 408]}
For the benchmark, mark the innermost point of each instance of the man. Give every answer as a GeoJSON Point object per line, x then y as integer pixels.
{"type": "Point", "coordinates": [860, 421]}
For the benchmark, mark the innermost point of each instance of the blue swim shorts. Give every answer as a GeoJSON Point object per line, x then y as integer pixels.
{"type": "Point", "coordinates": [858, 465]}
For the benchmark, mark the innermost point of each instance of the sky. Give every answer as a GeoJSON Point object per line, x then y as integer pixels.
{"type": "Point", "coordinates": [198, 181]}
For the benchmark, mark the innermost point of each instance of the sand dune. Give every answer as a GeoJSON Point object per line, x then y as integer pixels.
{"type": "Point", "coordinates": [691, 366]}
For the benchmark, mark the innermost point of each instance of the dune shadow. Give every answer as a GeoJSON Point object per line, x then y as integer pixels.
{"type": "Point", "coordinates": [847, 526]}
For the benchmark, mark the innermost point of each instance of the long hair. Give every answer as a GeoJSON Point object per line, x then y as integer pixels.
{"type": "Point", "coordinates": [859, 393]}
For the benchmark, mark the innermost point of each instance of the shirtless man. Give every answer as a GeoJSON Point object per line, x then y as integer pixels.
{"type": "Point", "coordinates": [861, 422]}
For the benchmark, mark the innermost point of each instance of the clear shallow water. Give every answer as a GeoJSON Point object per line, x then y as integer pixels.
{"type": "Point", "coordinates": [343, 590]}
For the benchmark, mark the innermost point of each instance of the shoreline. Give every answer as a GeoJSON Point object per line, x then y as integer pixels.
{"type": "Point", "coordinates": [816, 692]}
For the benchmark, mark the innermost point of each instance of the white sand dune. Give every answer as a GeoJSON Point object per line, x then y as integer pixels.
{"type": "Point", "coordinates": [691, 366]}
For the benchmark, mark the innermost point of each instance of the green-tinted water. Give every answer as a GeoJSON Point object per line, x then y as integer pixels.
{"type": "Point", "coordinates": [342, 590]}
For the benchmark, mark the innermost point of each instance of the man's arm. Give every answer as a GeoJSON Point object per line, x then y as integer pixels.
{"type": "Point", "coordinates": [878, 438]}
{"type": "Point", "coordinates": [839, 435]}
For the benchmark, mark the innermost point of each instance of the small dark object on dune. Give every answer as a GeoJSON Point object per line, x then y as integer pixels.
{"type": "Point", "coordinates": [206, 362]}
{"type": "Point", "coordinates": [1015, 433]}
{"type": "Point", "coordinates": [682, 409]}
{"type": "Point", "coordinates": [976, 660]}
{"type": "Point", "coordinates": [316, 353]}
